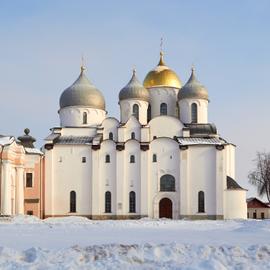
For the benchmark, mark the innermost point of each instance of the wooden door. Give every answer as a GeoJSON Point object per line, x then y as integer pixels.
{"type": "Point", "coordinates": [165, 208]}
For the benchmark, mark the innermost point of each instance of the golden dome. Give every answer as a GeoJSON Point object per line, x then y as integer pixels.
{"type": "Point", "coordinates": [162, 76]}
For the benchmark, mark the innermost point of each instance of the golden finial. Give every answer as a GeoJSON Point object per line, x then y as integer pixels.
{"type": "Point", "coordinates": [82, 64]}
{"type": "Point", "coordinates": [161, 62]}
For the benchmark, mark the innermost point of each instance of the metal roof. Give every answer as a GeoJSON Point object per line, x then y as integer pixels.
{"type": "Point", "coordinates": [73, 140]}
{"type": "Point", "coordinates": [202, 141]}
{"type": "Point", "coordinates": [232, 184]}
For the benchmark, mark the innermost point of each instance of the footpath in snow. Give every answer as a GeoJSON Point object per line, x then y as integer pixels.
{"type": "Point", "coordinates": [79, 243]}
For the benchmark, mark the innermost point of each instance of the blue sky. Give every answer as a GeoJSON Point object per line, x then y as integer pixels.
{"type": "Point", "coordinates": [228, 42]}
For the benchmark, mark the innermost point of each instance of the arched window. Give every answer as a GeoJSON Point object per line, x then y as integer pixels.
{"type": "Point", "coordinates": [201, 202]}
{"type": "Point", "coordinates": [72, 201]}
{"type": "Point", "coordinates": [167, 183]}
{"type": "Point", "coordinates": [154, 158]}
{"type": "Point", "coordinates": [149, 113]}
{"type": "Point", "coordinates": [108, 202]}
{"type": "Point", "coordinates": [132, 202]}
{"type": "Point", "coordinates": [163, 109]}
{"type": "Point", "coordinates": [194, 113]}
{"type": "Point", "coordinates": [107, 159]}
{"type": "Point", "coordinates": [136, 111]}
{"type": "Point", "coordinates": [110, 136]}
{"type": "Point", "coordinates": [85, 118]}
{"type": "Point", "coordinates": [133, 135]}
{"type": "Point", "coordinates": [132, 159]}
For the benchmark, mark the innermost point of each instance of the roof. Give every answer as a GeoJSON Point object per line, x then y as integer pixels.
{"type": "Point", "coordinates": [6, 140]}
{"type": "Point", "coordinates": [73, 140]}
{"type": "Point", "coordinates": [200, 141]}
{"type": "Point", "coordinates": [134, 90]}
{"type": "Point", "coordinates": [33, 151]}
{"type": "Point", "coordinates": [254, 202]}
{"type": "Point", "coordinates": [82, 93]}
{"type": "Point", "coordinates": [201, 129]}
{"type": "Point", "coordinates": [232, 184]}
{"type": "Point", "coordinates": [193, 89]}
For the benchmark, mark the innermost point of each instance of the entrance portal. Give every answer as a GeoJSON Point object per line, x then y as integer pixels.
{"type": "Point", "coordinates": [165, 208]}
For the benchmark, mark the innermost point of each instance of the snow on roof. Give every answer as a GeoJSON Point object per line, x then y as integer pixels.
{"type": "Point", "coordinates": [33, 151]}
{"type": "Point", "coordinates": [196, 141]}
{"type": "Point", "coordinates": [6, 140]}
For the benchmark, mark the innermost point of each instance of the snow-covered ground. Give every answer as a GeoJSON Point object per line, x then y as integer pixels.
{"type": "Point", "coordinates": [79, 243]}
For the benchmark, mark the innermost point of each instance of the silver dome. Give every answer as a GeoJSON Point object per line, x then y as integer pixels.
{"type": "Point", "coordinates": [134, 90]}
{"type": "Point", "coordinates": [82, 93]}
{"type": "Point", "coordinates": [193, 89]}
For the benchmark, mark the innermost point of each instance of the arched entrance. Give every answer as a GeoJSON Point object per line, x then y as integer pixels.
{"type": "Point", "coordinates": [165, 208]}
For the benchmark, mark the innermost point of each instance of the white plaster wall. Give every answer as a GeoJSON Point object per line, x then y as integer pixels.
{"type": "Point", "coordinates": [185, 110]}
{"type": "Point", "coordinates": [166, 95]}
{"type": "Point", "coordinates": [167, 151]}
{"type": "Point", "coordinates": [165, 126]}
{"type": "Point", "coordinates": [72, 116]}
{"type": "Point", "coordinates": [132, 125]}
{"type": "Point", "coordinates": [235, 204]}
{"type": "Point", "coordinates": [202, 177]}
{"type": "Point", "coordinates": [79, 131]}
{"type": "Point", "coordinates": [230, 160]}
{"type": "Point", "coordinates": [69, 173]}
{"type": "Point", "coordinates": [126, 110]}
{"type": "Point", "coordinates": [110, 124]}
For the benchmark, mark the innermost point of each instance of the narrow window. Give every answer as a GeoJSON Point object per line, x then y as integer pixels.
{"type": "Point", "coordinates": [201, 202]}
{"type": "Point", "coordinates": [149, 113]}
{"type": "Point", "coordinates": [255, 215]}
{"type": "Point", "coordinates": [72, 201]}
{"type": "Point", "coordinates": [83, 159]}
{"type": "Point", "coordinates": [262, 215]}
{"type": "Point", "coordinates": [136, 111]}
{"type": "Point", "coordinates": [133, 135]}
{"type": "Point", "coordinates": [163, 109]}
{"type": "Point", "coordinates": [167, 183]}
{"type": "Point", "coordinates": [194, 113]}
{"type": "Point", "coordinates": [132, 202]}
{"type": "Point", "coordinates": [132, 159]}
{"type": "Point", "coordinates": [110, 136]}
{"type": "Point", "coordinates": [29, 212]}
{"type": "Point", "coordinates": [154, 158]}
{"type": "Point", "coordinates": [29, 180]}
{"type": "Point", "coordinates": [108, 199]}
{"type": "Point", "coordinates": [85, 118]}
{"type": "Point", "coordinates": [107, 159]}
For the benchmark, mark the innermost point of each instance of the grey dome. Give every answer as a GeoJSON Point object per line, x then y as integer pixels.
{"type": "Point", "coordinates": [82, 93]}
{"type": "Point", "coordinates": [134, 90]}
{"type": "Point", "coordinates": [193, 89]}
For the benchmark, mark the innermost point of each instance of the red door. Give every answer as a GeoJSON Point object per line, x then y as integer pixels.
{"type": "Point", "coordinates": [165, 208]}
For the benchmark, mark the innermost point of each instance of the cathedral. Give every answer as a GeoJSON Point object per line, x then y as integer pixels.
{"type": "Point", "coordinates": [161, 159]}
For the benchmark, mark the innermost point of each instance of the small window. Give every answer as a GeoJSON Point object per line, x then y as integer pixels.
{"type": "Point", "coordinates": [110, 136]}
{"type": "Point", "coordinates": [30, 212]}
{"type": "Point", "coordinates": [133, 135]}
{"type": "Point", "coordinates": [107, 159]}
{"type": "Point", "coordinates": [201, 202]}
{"type": "Point", "coordinates": [136, 111]}
{"type": "Point", "coordinates": [132, 159]}
{"type": "Point", "coordinates": [83, 159]}
{"type": "Point", "coordinates": [167, 183]}
{"type": "Point", "coordinates": [254, 215]}
{"type": "Point", "coordinates": [72, 201]}
{"type": "Point", "coordinates": [154, 158]}
{"type": "Point", "coordinates": [108, 202]}
{"type": "Point", "coordinates": [194, 113]}
{"type": "Point", "coordinates": [29, 180]}
{"type": "Point", "coordinates": [85, 118]}
{"type": "Point", "coordinates": [163, 109]}
{"type": "Point", "coordinates": [262, 215]}
{"type": "Point", "coordinates": [132, 202]}
{"type": "Point", "coordinates": [149, 113]}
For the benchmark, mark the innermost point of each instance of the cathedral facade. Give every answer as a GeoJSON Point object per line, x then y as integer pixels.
{"type": "Point", "coordinates": [160, 159]}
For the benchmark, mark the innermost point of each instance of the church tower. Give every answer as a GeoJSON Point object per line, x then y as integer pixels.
{"type": "Point", "coordinates": [163, 85]}
{"type": "Point", "coordinates": [193, 101]}
{"type": "Point", "coordinates": [82, 104]}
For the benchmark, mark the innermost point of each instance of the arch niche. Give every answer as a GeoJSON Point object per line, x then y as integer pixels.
{"type": "Point", "coordinates": [165, 208]}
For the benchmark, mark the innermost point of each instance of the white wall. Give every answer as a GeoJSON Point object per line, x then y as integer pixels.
{"type": "Point", "coordinates": [72, 116]}
{"type": "Point", "coordinates": [235, 204]}
{"type": "Point", "coordinates": [185, 110]}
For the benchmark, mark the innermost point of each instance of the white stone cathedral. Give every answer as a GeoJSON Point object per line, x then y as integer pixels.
{"type": "Point", "coordinates": [161, 159]}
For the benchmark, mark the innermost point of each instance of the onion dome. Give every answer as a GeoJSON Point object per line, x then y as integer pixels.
{"type": "Point", "coordinates": [27, 140]}
{"type": "Point", "coordinates": [82, 93]}
{"type": "Point", "coordinates": [134, 90]}
{"type": "Point", "coordinates": [162, 75]}
{"type": "Point", "coordinates": [193, 89]}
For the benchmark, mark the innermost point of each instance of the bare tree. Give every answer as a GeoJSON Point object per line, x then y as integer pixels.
{"type": "Point", "coordinates": [260, 177]}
